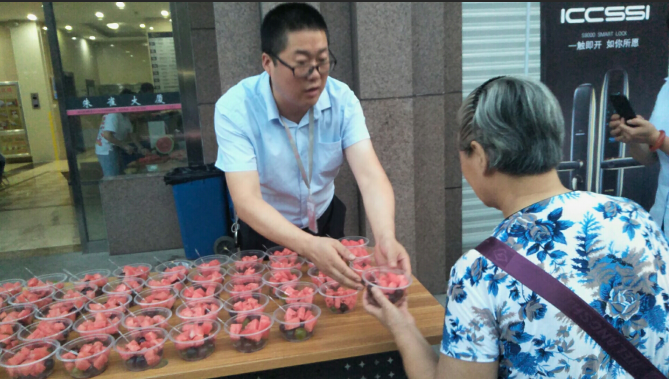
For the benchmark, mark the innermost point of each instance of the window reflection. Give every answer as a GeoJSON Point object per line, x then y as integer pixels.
{"type": "Point", "coordinates": [121, 87]}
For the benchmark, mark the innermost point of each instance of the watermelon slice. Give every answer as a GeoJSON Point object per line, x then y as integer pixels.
{"type": "Point", "coordinates": [144, 349]}
{"type": "Point", "coordinates": [297, 321]}
{"type": "Point", "coordinates": [195, 341]}
{"type": "Point", "coordinates": [165, 145]}
{"type": "Point", "coordinates": [249, 332]}
{"type": "Point", "coordinates": [338, 298]}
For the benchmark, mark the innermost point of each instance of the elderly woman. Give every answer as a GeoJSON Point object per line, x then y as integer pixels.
{"type": "Point", "coordinates": [607, 250]}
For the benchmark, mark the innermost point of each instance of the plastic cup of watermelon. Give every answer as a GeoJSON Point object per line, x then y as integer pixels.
{"type": "Point", "coordinates": [131, 286]}
{"type": "Point", "coordinates": [246, 258]}
{"type": "Point", "coordinates": [181, 266]}
{"type": "Point", "coordinates": [81, 292]}
{"type": "Point", "coordinates": [142, 358]}
{"type": "Point", "coordinates": [192, 350]}
{"type": "Point", "coordinates": [247, 333]}
{"type": "Point", "coordinates": [166, 280]}
{"type": "Point", "coordinates": [211, 262]}
{"type": "Point", "coordinates": [42, 282]}
{"type": "Point", "coordinates": [214, 289]}
{"type": "Point", "coordinates": [91, 365]}
{"type": "Point", "coordinates": [286, 263]}
{"type": "Point", "coordinates": [9, 334]}
{"type": "Point", "coordinates": [31, 332]}
{"type": "Point", "coordinates": [393, 282]}
{"type": "Point", "coordinates": [229, 305]}
{"type": "Point", "coordinates": [132, 321]}
{"type": "Point", "coordinates": [243, 285]}
{"type": "Point", "coordinates": [164, 297]}
{"type": "Point", "coordinates": [143, 274]}
{"type": "Point", "coordinates": [104, 303]}
{"type": "Point", "coordinates": [189, 311]}
{"type": "Point", "coordinates": [338, 298]}
{"type": "Point", "coordinates": [59, 309]}
{"type": "Point", "coordinates": [257, 269]}
{"type": "Point", "coordinates": [294, 328]}
{"type": "Point", "coordinates": [24, 314]}
{"type": "Point", "coordinates": [280, 251]}
{"type": "Point", "coordinates": [287, 293]}
{"type": "Point", "coordinates": [38, 297]}
{"type": "Point", "coordinates": [357, 245]}
{"type": "Point", "coordinates": [79, 278]}
{"type": "Point", "coordinates": [18, 367]}
{"type": "Point", "coordinates": [208, 276]}
{"type": "Point", "coordinates": [88, 324]}
{"type": "Point", "coordinates": [317, 277]}
{"type": "Point", "coordinates": [359, 265]}
{"type": "Point", "coordinates": [276, 278]}
{"type": "Point", "coordinates": [11, 287]}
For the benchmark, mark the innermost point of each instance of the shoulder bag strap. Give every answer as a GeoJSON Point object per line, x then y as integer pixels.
{"type": "Point", "coordinates": [564, 299]}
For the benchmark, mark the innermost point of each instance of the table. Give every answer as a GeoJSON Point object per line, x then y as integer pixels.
{"type": "Point", "coordinates": [335, 337]}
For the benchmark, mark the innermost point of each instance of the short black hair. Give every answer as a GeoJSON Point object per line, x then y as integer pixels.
{"type": "Point", "coordinates": [285, 18]}
{"type": "Point", "coordinates": [146, 88]}
{"type": "Point", "coordinates": [127, 91]}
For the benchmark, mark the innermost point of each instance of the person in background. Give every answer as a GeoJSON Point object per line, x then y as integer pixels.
{"type": "Point", "coordinates": [116, 135]}
{"type": "Point", "coordinates": [606, 249]}
{"type": "Point", "coordinates": [265, 126]}
{"type": "Point", "coordinates": [647, 143]}
{"type": "Point", "coordinates": [3, 161]}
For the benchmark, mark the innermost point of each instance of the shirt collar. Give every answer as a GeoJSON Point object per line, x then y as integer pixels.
{"type": "Point", "coordinates": [322, 104]}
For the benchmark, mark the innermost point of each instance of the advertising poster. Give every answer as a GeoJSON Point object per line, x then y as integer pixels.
{"type": "Point", "coordinates": [588, 52]}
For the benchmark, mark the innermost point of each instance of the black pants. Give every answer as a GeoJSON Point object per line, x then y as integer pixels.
{"type": "Point", "coordinates": [331, 223]}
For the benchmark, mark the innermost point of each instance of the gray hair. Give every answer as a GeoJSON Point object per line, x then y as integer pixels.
{"type": "Point", "coordinates": [518, 122]}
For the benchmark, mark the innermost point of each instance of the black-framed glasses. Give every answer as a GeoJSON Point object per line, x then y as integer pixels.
{"type": "Point", "coordinates": [304, 71]}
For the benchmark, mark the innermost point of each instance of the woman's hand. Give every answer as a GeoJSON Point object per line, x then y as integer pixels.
{"type": "Point", "coordinates": [639, 130]}
{"type": "Point", "coordinates": [394, 317]}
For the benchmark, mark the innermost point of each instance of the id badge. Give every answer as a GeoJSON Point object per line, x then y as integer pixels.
{"type": "Point", "coordinates": [311, 213]}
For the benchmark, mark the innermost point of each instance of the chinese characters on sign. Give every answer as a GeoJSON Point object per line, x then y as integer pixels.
{"type": "Point", "coordinates": [627, 43]}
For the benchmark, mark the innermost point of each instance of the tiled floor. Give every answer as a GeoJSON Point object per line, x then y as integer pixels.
{"type": "Point", "coordinates": [36, 209]}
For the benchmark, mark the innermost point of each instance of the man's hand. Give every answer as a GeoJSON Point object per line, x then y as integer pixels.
{"type": "Point", "coordinates": [128, 148]}
{"type": "Point", "coordinates": [391, 253]}
{"type": "Point", "coordinates": [642, 131]}
{"type": "Point", "coordinates": [331, 257]}
{"type": "Point", "coordinates": [393, 317]}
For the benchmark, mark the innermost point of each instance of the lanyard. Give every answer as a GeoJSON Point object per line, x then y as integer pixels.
{"type": "Point", "coordinates": [307, 180]}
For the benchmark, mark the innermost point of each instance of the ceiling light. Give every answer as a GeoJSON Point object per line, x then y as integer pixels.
{"type": "Point", "coordinates": [99, 14]}
{"type": "Point", "coordinates": [113, 25]}
{"type": "Point", "coordinates": [170, 20]}
{"type": "Point", "coordinates": [120, 5]}
{"type": "Point", "coordinates": [112, 45]}
{"type": "Point", "coordinates": [92, 38]}
{"type": "Point", "coordinates": [74, 38]}
{"type": "Point", "coordinates": [68, 27]}
{"type": "Point", "coordinates": [150, 27]}
{"type": "Point", "coordinates": [165, 13]}
{"type": "Point", "coordinates": [32, 17]}
{"type": "Point", "coordinates": [142, 26]}
{"type": "Point", "coordinates": [127, 51]}
{"type": "Point", "coordinates": [131, 56]}
{"type": "Point", "coordinates": [45, 28]}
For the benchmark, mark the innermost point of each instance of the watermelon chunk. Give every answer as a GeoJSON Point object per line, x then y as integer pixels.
{"type": "Point", "coordinates": [165, 145]}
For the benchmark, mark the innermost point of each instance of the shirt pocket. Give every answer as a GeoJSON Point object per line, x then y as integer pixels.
{"type": "Point", "coordinates": [328, 158]}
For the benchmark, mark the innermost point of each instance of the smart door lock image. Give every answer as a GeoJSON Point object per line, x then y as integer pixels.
{"type": "Point", "coordinates": [596, 160]}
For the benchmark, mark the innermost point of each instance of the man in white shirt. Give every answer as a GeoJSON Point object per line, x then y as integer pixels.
{"type": "Point", "coordinates": [115, 131]}
{"type": "Point", "coordinates": [282, 137]}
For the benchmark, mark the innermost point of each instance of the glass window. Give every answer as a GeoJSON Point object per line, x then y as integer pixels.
{"type": "Point", "coordinates": [122, 93]}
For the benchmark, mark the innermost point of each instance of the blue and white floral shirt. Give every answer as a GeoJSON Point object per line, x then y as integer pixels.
{"type": "Point", "coordinates": [606, 249]}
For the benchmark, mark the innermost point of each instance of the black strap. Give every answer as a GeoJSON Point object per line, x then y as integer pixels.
{"type": "Point", "coordinates": [564, 299]}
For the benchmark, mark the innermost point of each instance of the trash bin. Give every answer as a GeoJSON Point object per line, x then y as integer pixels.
{"type": "Point", "coordinates": [203, 207]}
